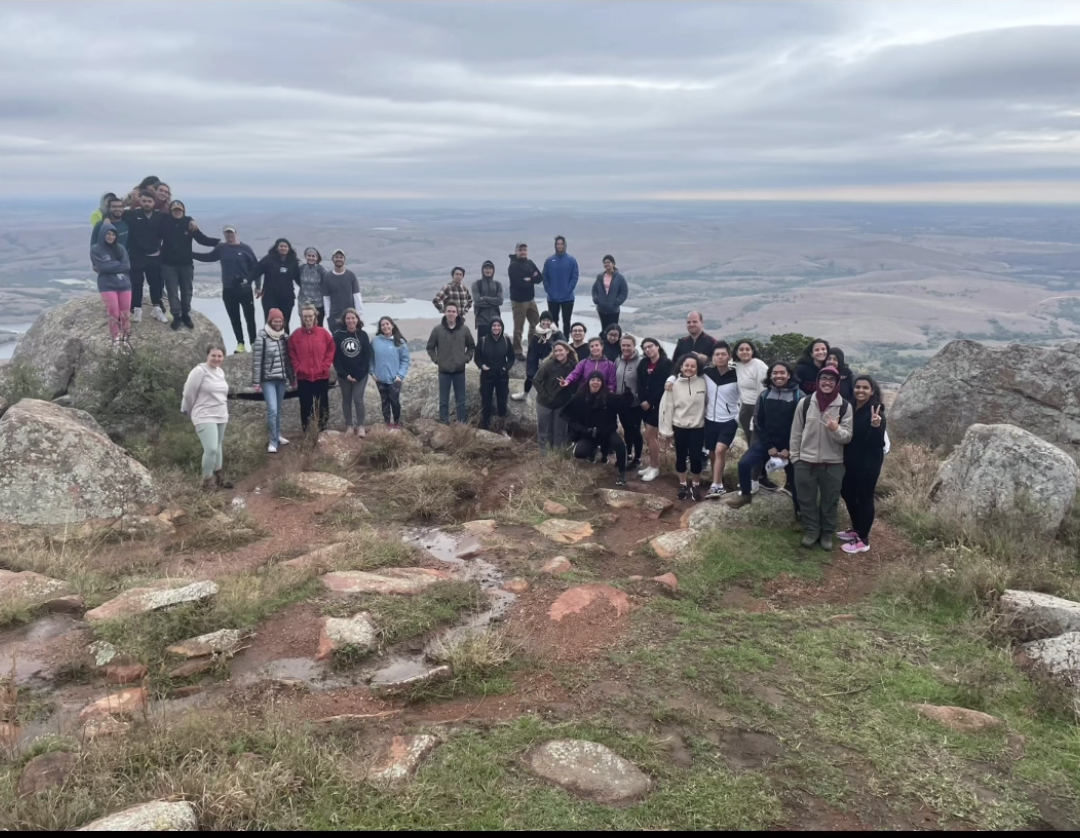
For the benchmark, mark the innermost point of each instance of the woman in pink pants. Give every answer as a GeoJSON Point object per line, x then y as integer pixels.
{"type": "Point", "coordinates": [110, 261]}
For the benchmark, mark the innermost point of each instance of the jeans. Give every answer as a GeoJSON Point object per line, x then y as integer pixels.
{"type": "Point", "coordinates": [522, 312]}
{"type": "Point", "coordinates": [819, 488]}
{"type": "Point", "coordinates": [352, 396]}
{"type": "Point", "coordinates": [551, 429]}
{"type": "Point", "coordinates": [310, 392]}
{"type": "Point", "coordinates": [390, 395]}
{"type": "Point", "coordinates": [753, 462]}
{"type": "Point", "coordinates": [212, 437]}
{"type": "Point", "coordinates": [274, 396]}
{"type": "Point", "coordinates": [858, 493]}
{"type": "Point", "coordinates": [607, 320]}
{"type": "Point", "coordinates": [236, 299]}
{"type": "Point", "coordinates": [118, 305]}
{"type": "Point", "coordinates": [151, 273]}
{"type": "Point", "coordinates": [688, 442]}
{"type": "Point", "coordinates": [178, 283]}
{"type": "Point", "coordinates": [630, 419]}
{"type": "Point", "coordinates": [286, 307]}
{"type": "Point", "coordinates": [567, 310]}
{"type": "Point", "coordinates": [457, 381]}
{"type": "Point", "coordinates": [492, 387]}
{"type": "Point", "coordinates": [586, 447]}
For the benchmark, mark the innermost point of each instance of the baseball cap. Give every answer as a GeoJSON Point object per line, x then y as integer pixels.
{"type": "Point", "coordinates": [228, 228]}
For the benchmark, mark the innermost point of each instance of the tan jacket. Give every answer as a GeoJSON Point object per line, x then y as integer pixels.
{"type": "Point", "coordinates": [683, 406]}
{"type": "Point", "coordinates": [811, 441]}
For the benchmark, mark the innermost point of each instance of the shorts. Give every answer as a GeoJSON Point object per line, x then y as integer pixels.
{"type": "Point", "coordinates": [651, 417]}
{"type": "Point", "coordinates": [720, 433]}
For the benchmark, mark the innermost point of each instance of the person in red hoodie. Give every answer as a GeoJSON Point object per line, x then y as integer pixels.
{"type": "Point", "coordinates": [311, 350]}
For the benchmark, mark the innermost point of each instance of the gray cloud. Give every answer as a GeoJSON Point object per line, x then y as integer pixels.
{"type": "Point", "coordinates": [537, 101]}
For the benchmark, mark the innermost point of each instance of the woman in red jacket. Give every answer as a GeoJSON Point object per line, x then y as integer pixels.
{"type": "Point", "coordinates": [311, 350]}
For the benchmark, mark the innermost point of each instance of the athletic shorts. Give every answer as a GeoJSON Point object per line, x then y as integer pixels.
{"type": "Point", "coordinates": [720, 433]}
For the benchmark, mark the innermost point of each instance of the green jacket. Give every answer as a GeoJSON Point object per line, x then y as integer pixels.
{"type": "Point", "coordinates": [451, 349]}
{"type": "Point", "coordinates": [549, 393]}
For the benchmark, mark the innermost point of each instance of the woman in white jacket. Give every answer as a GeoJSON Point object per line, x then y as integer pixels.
{"type": "Point", "coordinates": [753, 376]}
{"type": "Point", "coordinates": [205, 402]}
{"type": "Point", "coordinates": [682, 416]}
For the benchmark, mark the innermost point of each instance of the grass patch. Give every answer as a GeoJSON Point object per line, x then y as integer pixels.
{"type": "Point", "coordinates": [468, 447]}
{"type": "Point", "coordinates": [431, 492]}
{"type": "Point", "coordinates": [286, 489]}
{"type": "Point", "coordinates": [369, 549]}
{"type": "Point", "coordinates": [385, 450]}
{"type": "Point", "coordinates": [220, 533]}
{"type": "Point", "coordinates": [21, 381]}
{"type": "Point", "coordinates": [402, 617]}
{"type": "Point", "coordinates": [539, 479]}
{"type": "Point", "coordinates": [346, 514]}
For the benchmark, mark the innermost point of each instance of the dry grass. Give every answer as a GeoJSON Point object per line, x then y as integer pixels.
{"type": "Point", "coordinates": [476, 653]}
{"type": "Point", "coordinates": [539, 479]}
{"type": "Point", "coordinates": [468, 447]}
{"type": "Point", "coordinates": [369, 549]}
{"type": "Point", "coordinates": [345, 514]}
{"type": "Point", "coordinates": [431, 492]}
{"type": "Point", "coordinates": [285, 488]}
{"type": "Point", "coordinates": [220, 533]}
{"type": "Point", "coordinates": [384, 450]}
{"type": "Point", "coordinates": [74, 562]}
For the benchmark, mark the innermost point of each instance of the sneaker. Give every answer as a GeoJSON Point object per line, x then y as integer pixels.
{"type": "Point", "coordinates": [683, 491]}
{"type": "Point", "coordinates": [159, 315]}
{"type": "Point", "coordinates": [738, 501]}
{"type": "Point", "coordinates": [826, 543]}
{"type": "Point", "coordinates": [766, 484]}
{"type": "Point", "coordinates": [271, 448]}
{"type": "Point", "coordinates": [136, 315]}
{"type": "Point", "coordinates": [695, 492]}
{"type": "Point", "coordinates": [621, 479]}
{"type": "Point", "coordinates": [240, 349]}
{"type": "Point", "coordinates": [856, 546]}
{"type": "Point", "coordinates": [361, 432]}
{"type": "Point", "coordinates": [282, 441]}
{"type": "Point", "coordinates": [634, 465]}
{"type": "Point", "coordinates": [848, 536]}
{"type": "Point", "coordinates": [116, 345]}
{"type": "Point", "coordinates": [649, 475]}
{"type": "Point", "coordinates": [808, 541]}
{"type": "Point", "coordinates": [176, 324]}
{"type": "Point", "coordinates": [715, 492]}
{"type": "Point", "coordinates": [186, 320]}
{"type": "Point", "coordinates": [754, 486]}
{"type": "Point", "coordinates": [518, 397]}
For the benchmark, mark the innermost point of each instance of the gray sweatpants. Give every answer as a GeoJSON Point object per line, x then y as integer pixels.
{"type": "Point", "coordinates": [352, 395]}
{"type": "Point", "coordinates": [551, 429]}
{"type": "Point", "coordinates": [818, 488]}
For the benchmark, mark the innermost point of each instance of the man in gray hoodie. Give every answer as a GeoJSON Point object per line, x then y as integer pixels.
{"type": "Point", "coordinates": [488, 298]}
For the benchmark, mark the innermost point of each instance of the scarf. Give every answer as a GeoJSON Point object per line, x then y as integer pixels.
{"type": "Point", "coordinates": [823, 400]}
{"type": "Point", "coordinates": [273, 334]}
{"type": "Point", "coordinates": [543, 334]}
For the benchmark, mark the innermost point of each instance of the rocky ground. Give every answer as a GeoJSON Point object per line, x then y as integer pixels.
{"type": "Point", "coordinates": [441, 630]}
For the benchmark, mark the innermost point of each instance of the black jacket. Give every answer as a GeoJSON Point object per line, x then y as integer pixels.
{"type": "Point", "coordinates": [352, 353]}
{"type": "Point", "coordinates": [524, 276]}
{"type": "Point", "coordinates": [847, 384]}
{"type": "Point", "coordinates": [806, 374]}
{"type": "Point", "coordinates": [651, 386]}
{"type": "Point", "coordinates": [774, 413]}
{"type": "Point", "coordinates": [539, 350]}
{"type": "Point", "coordinates": [144, 235]}
{"type": "Point", "coordinates": [176, 241]}
{"type": "Point", "coordinates": [281, 275]}
{"type": "Point", "coordinates": [496, 353]}
{"type": "Point", "coordinates": [592, 416]}
{"type": "Point", "coordinates": [867, 446]}
{"type": "Point", "coordinates": [703, 345]}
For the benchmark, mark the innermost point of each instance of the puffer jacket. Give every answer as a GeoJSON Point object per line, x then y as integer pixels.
{"type": "Point", "coordinates": [811, 441]}
{"type": "Point", "coordinates": [270, 360]}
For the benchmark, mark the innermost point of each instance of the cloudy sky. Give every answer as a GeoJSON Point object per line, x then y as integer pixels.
{"type": "Point", "coordinates": [544, 101]}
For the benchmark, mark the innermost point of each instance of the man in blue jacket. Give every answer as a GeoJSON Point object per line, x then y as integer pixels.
{"type": "Point", "coordinates": [560, 280]}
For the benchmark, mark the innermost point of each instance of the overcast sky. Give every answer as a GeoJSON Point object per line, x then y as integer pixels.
{"type": "Point", "coordinates": [546, 101]}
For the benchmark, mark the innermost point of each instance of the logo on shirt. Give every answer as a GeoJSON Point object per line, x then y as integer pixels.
{"type": "Point", "coordinates": [350, 347]}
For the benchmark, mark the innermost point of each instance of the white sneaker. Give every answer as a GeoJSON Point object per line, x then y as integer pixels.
{"type": "Point", "coordinates": [754, 486]}
{"type": "Point", "coordinates": [159, 315]}
{"type": "Point", "coordinates": [271, 449]}
{"type": "Point", "coordinates": [136, 315]}
{"type": "Point", "coordinates": [518, 397]}
{"type": "Point", "coordinates": [361, 432]}
{"type": "Point", "coordinates": [650, 475]}
{"type": "Point", "coordinates": [282, 441]}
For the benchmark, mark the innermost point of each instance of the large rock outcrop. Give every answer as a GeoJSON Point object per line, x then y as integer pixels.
{"type": "Point", "coordinates": [1003, 471]}
{"type": "Point", "coordinates": [420, 399]}
{"type": "Point", "coordinates": [968, 383]}
{"type": "Point", "coordinates": [58, 467]}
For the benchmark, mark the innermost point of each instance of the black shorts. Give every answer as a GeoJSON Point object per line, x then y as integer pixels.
{"type": "Point", "coordinates": [651, 417]}
{"type": "Point", "coordinates": [720, 433]}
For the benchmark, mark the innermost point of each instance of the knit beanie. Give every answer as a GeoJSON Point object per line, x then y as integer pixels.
{"type": "Point", "coordinates": [273, 313]}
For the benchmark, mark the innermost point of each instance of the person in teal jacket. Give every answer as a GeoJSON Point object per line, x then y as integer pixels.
{"type": "Point", "coordinates": [389, 366]}
{"type": "Point", "coordinates": [560, 280]}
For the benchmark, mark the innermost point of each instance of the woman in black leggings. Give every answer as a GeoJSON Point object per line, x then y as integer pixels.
{"type": "Point", "coordinates": [863, 457]}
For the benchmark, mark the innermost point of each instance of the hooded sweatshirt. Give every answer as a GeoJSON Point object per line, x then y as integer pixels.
{"type": "Point", "coordinates": [524, 276]}
{"type": "Point", "coordinates": [280, 276]}
{"type": "Point", "coordinates": [122, 231]}
{"type": "Point", "coordinates": [774, 413]}
{"type": "Point", "coordinates": [807, 373]}
{"type": "Point", "coordinates": [549, 393]}
{"type": "Point", "coordinates": [592, 415]}
{"type": "Point", "coordinates": [111, 263]}
{"type": "Point", "coordinates": [496, 353]}
{"type": "Point", "coordinates": [352, 353]}
{"type": "Point", "coordinates": [540, 345]}
{"type": "Point", "coordinates": [176, 240]}
{"type": "Point", "coordinates": [487, 295]}
{"type": "Point", "coordinates": [237, 261]}
{"type": "Point", "coordinates": [390, 361]}
{"type": "Point", "coordinates": [560, 277]}
{"type": "Point", "coordinates": [610, 301]}
{"type": "Point", "coordinates": [753, 378]}
{"type": "Point", "coordinates": [102, 210]}
{"type": "Point", "coordinates": [627, 387]}
{"type": "Point", "coordinates": [451, 349]}
{"type": "Point", "coordinates": [584, 369]}
{"type": "Point", "coordinates": [684, 405]}
{"type": "Point", "coordinates": [612, 351]}
{"type": "Point", "coordinates": [723, 390]}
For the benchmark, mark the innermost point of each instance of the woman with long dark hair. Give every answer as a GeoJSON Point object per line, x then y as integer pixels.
{"type": "Point", "coordinates": [837, 361]}
{"type": "Point", "coordinates": [352, 360]}
{"type": "Point", "coordinates": [274, 279]}
{"type": "Point", "coordinates": [110, 262]}
{"type": "Point", "coordinates": [594, 423]}
{"type": "Point", "coordinates": [863, 457]}
{"type": "Point", "coordinates": [390, 365]}
{"type": "Point", "coordinates": [682, 417]}
{"type": "Point", "coordinates": [810, 363]}
{"type": "Point", "coordinates": [653, 371]}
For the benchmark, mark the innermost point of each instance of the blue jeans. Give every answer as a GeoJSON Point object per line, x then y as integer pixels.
{"type": "Point", "coordinates": [274, 396]}
{"type": "Point", "coordinates": [457, 381]}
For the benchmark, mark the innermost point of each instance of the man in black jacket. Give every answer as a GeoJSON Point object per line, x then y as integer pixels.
{"type": "Point", "coordinates": [524, 277]}
{"type": "Point", "coordinates": [696, 340]}
{"type": "Point", "coordinates": [144, 250]}
{"type": "Point", "coordinates": [177, 265]}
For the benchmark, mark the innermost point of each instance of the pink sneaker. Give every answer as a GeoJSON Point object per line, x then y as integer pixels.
{"type": "Point", "coordinates": [855, 547]}
{"type": "Point", "coordinates": [850, 535]}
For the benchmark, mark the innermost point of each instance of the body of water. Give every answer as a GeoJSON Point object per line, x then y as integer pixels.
{"type": "Point", "coordinates": [8, 349]}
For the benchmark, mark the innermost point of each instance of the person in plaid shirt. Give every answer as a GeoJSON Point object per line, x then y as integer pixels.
{"type": "Point", "coordinates": [456, 292]}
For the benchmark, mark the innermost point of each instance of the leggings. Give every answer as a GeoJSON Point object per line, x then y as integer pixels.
{"type": "Point", "coordinates": [857, 491]}
{"type": "Point", "coordinates": [688, 442]}
{"type": "Point", "coordinates": [352, 397]}
{"type": "Point", "coordinates": [212, 437]}
{"type": "Point", "coordinates": [117, 304]}
{"type": "Point", "coordinates": [586, 447]}
{"type": "Point", "coordinates": [390, 396]}
{"type": "Point", "coordinates": [630, 419]}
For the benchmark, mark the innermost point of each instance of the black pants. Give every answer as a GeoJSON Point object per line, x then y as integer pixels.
{"type": "Point", "coordinates": [688, 443]}
{"type": "Point", "coordinates": [630, 419]}
{"type": "Point", "coordinates": [236, 299]}
{"type": "Point", "coordinates": [179, 283]}
{"type": "Point", "coordinates": [492, 387]}
{"type": "Point", "coordinates": [586, 447]}
{"type": "Point", "coordinates": [482, 331]}
{"type": "Point", "coordinates": [390, 395]}
{"type": "Point", "coordinates": [607, 320]}
{"type": "Point", "coordinates": [860, 482]}
{"type": "Point", "coordinates": [286, 307]}
{"type": "Point", "coordinates": [309, 392]}
{"type": "Point", "coordinates": [567, 310]}
{"type": "Point", "coordinates": [151, 274]}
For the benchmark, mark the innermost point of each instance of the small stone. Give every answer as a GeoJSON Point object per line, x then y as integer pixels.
{"type": "Point", "coordinates": [560, 564]}
{"type": "Point", "coordinates": [357, 633]}
{"type": "Point", "coordinates": [319, 561]}
{"type": "Point", "coordinates": [673, 545]}
{"type": "Point", "coordinates": [158, 816]}
{"type": "Point", "coordinates": [119, 674]}
{"type": "Point", "coordinates": [321, 483]}
{"type": "Point", "coordinates": [164, 593]}
{"type": "Point", "coordinates": [843, 618]}
{"type": "Point", "coordinates": [193, 668]}
{"type": "Point", "coordinates": [484, 526]}
{"type": "Point", "coordinates": [562, 531]}
{"type": "Point", "coordinates": [637, 578]}
{"type": "Point", "coordinates": [668, 580]}
{"type": "Point", "coordinates": [590, 770]}
{"type": "Point", "coordinates": [223, 642]}
{"type": "Point", "coordinates": [650, 505]}
{"type": "Point", "coordinates": [404, 581]}
{"type": "Point", "coordinates": [517, 585]}
{"type": "Point", "coordinates": [578, 599]}
{"type": "Point", "coordinates": [404, 685]}
{"type": "Point", "coordinates": [46, 772]}
{"type": "Point", "coordinates": [124, 703]}
{"type": "Point", "coordinates": [608, 519]}
{"type": "Point", "coordinates": [104, 727]}
{"type": "Point", "coordinates": [402, 759]}
{"type": "Point", "coordinates": [553, 508]}
{"type": "Point", "coordinates": [103, 653]}
{"type": "Point", "coordinates": [958, 718]}
{"type": "Point", "coordinates": [174, 516]}
{"type": "Point", "coordinates": [591, 547]}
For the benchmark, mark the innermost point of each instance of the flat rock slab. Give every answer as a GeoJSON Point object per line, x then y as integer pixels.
{"type": "Point", "coordinates": [1039, 616]}
{"type": "Point", "coordinates": [405, 581]}
{"type": "Point", "coordinates": [357, 633]}
{"type": "Point", "coordinates": [200, 666]}
{"type": "Point", "coordinates": [123, 703]}
{"type": "Point", "coordinates": [36, 591]}
{"type": "Point", "coordinates": [562, 531]}
{"type": "Point", "coordinates": [158, 816]}
{"type": "Point", "coordinates": [46, 772]}
{"type": "Point", "coordinates": [402, 759]}
{"type": "Point", "coordinates": [768, 510]}
{"type": "Point", "coordinates": [1060, 656]}
{"type": "Point", "coordinates": [553, 508]}
{"type": "Point", "coordinates": [958, 718]}
{"type": "Point", "coordinates": [321, 483]}
{"type": "Point", "coordinates": [590, 770]}
{"type": "Point", "coordinates": [319, 561]}
{"type": "Point", "coordinates": [577, 600]}
{"type": "Point", "coordinates": [223, 642]}
{"type": "Point", "coordinates": [104, 728]}
{"type": "Point", "coordinates": [559, 564]}
{"type": "Point", "coordinates": [674, 545]}
{"type": "Point", "coordinates": [652, 506]}
{"type": "Point", "coordinates": [164, 593]}
{"type": "Point", "coordinates": [129, 674]}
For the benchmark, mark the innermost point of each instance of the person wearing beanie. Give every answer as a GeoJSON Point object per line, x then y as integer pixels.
{"type": "Point", "coordinates": [539, 348]}
{"type": "Point", "coordinates": [487, 295]}
{"type": "Point", "coordinates": [524, 277]}
{"type": "Point", "coordinates": [312, 284]}
{"type": "Point", "coordinates": [177, 262]}
{"type": "Point", "coordinates": [340, 291]}
{"type": "Point", "coordinates": [456, 292]}
{"type": "Point", "coordinates": [820, 430]}
{"type": "Point", "coordinates": [494, 356]}
{"type": "Point", "coordinates": [560, 280]}
{"type": "Point", "coordinates": [272, 373]}
{"type": "Point", "coordinates": [609, 292]}
{"type": "Point", "coordinates": [594, 422]}
{"type": "Point", "coordinates": [237, 261]}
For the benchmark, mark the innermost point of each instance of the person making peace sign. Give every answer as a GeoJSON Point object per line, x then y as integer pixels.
{"type": "Point", "coordinates": [863, 457]}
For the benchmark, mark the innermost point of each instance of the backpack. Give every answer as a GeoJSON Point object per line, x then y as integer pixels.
{"type": "Point", "coordinates": [804, 407]}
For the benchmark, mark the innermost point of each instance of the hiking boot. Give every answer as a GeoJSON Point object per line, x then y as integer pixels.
{"type": "Point", "coordinates": [136, 315]}
{"type": "Point", "coordinates": [695, 492]}
{"type": "Point", "coordinates": [176, 324]}
{"type": "Point", "coordinates": [518, 397]}
{"type": "Point", "coordinates": [715, 491]}
{"type": "Point", "coordinates": [849, 535]}
{"type": "Point", "coordinates": [856, 546]}
{"type": "Point", "coordinates": [766, 484]}
{"type": "Point", "coordinates": [159, 315]}
{"type": "Point", "coordinates": [808, 541]}
{"type": "Point", "coordinates": [684, 490]}
{"type": "Point", "coordinates": [221, 482]}
{"type": "Point", "coordinates": [621, 479]}
{"type": "Point", "coordinates": [739, 501]}
{"type": "Point", "coordinates": [826, 543]}
{"type": "Point", "coordinates": [186, 320]}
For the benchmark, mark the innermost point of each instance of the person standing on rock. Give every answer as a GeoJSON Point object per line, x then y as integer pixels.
{"type": "Point", "coordinates": [102, 212]}
{"type": "Point", "coordinates": [628, 400]}
{"type": "Point", "coordinates": [274, 278]}
{"type": "Point", "coordinates": [237, 261]}
{"type": "Point", "coordinates": [205, 402]}
{"type": "Point", "coordinates": [560, 282]}
{"type": "Point", "coordinates": [773, 415]}
{"type": "Point", "coordinates": [494, 357]}
{"type": "Point", "coordinates": [110, 262]}
{"type": "Point", "coordinates": [487, 295]}
{"type": "Point", "coordinates": [390, 365]}
{"type": "Point", "coordinates": [863, 457]}
{"type": "Point", "coordinates": [810, 363]}
{"type": "Point", "coordinates": [596, 362]}
{"type": "Point", "coordinates": [594, 422]}
{"type": "Point", "coordinates": [311, 350]}
{"type": "Point", "coordinates": [696, 340]}
{"type": "Point", "coordinates": [114, 214]}
{"type": "Point", "coordinates": [451, 347]}
{"type": "Point", "coordinates": [272, 374]}
{"type": "Point", "coordinates": [524, 276]}
{"type": "Point", "coordinates": [312, 279]}
{"type": "Point", "coordinates": [352, 360]}
{"type": "Point", "coordinates": [753, 376]}
{"type": "Point", "coordinates": [144, 248]}
{"type": "Point", "coordinates": [540, 344]}
{"type": "Point", "coordinates": [177, 263]}
{"type": "Point", "coordinates": [721, 414]}
{"type": "Point", "coordinates": [341, 291]}
{"type": "Point", "coordinates": [609, 292]}
{"type": "Point", "coordinates": [576, 338]}
{"type": "Point", "coordinates": [653, 371]}
{"type": "Point", "coordinates": [455, 292]}
{"type": "Point", "coordinates": [682, 416]}
{"type": "Point", "coordinates": [819, 432]}
{"type": "Point", "coordinates": [552, 397]}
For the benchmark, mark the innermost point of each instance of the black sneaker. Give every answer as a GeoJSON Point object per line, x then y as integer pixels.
{"type": "Point", "coordinates": [766, 484]}
{"type": "Point", "coordinates": [634, 464]}
{"type": "Point", "coordinates": [683, 491]}
{"type": "Point", "coordinates": [176, 324]}
{"type": "Point", "coordinates": [621, 479]}
{"type": "Point", "coordinates": [695, 492]}
{"type": "Point", "coordinates": [186, 319]}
